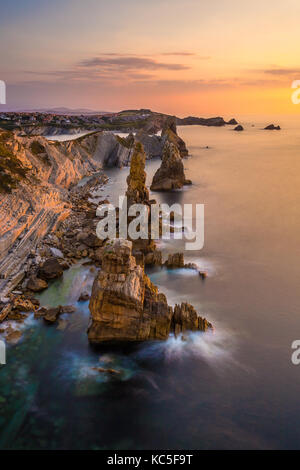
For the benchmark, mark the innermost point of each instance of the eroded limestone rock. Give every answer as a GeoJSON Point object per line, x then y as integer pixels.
{"type": "Point", "coordinates": [170, 175]}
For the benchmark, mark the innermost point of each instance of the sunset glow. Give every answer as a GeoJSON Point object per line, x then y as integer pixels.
{"type": "Point", "coordinates": [189, 57]}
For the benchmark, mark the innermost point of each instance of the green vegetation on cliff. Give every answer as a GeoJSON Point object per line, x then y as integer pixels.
{"type": "Point", "coordinates": [11, 169]}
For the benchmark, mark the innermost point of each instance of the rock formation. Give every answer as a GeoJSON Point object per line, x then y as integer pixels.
{"type": "Point", "coordinates": [126, 306]}
{"type": "Point", "coordinates": [169, 133]}
{"type": "Point", "coordinates": [175, 260]}
{"type": "Point", "coordinates": [170, 175]}
{"type": "Point", "coordinates": [137, 192]}
{"type": "Point", "coordinates": [238, 128]}
{"type": "Point", "coordinates": [271, 127]}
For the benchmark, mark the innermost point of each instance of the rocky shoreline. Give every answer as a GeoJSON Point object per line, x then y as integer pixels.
{"type": "Point", "coordinates": [72, 237]}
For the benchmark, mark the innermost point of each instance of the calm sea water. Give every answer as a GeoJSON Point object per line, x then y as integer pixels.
{"type": "Point", "coordinates": [233, 389]}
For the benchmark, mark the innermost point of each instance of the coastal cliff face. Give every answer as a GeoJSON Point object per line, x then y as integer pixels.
{"type": "Point", "coordinates": [35, 175]}
{"type": "Point", "coordinates": [126, 306]}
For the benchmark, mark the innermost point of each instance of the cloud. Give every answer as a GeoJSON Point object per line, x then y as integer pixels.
{"type": "Point", "coordinates": [129, 63]}
{"type": "Point", "coordinates": [178, 53]}
{"type": "Point", "coordinates": [186, 54]}
{"type": "Point", "coordinates": [282, 71]}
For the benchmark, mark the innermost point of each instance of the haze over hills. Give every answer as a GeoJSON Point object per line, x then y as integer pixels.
{"type": "Point", "coordinates": [59, 110]}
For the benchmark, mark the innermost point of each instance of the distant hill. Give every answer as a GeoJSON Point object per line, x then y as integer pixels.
{"type": "Point", "coordinates": [60, 110]}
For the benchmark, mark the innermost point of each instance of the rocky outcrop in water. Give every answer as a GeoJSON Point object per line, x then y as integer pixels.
{"type": "Point", "coordinates": [126, 306]}
{"type": "Point", "coordinates": [192, 120]}
{"type": "Point", "coordinates": [169, 134]}
{"type": "Point", "coordinates": [185, 318]}
{"type": "Point", "coordinates": [137, 192]}
{"type": "Point", "coordinates": [238, 128]}
{"type": "Point", "coordinates": [170, 175]}
{"type": "Point", "coordinates": [272, 127]}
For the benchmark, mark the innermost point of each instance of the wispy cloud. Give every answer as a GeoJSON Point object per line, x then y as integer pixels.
{"type": "Point", "coordinates": [130, 63]}
{"type": "Point", "coordinates": [281, 71]}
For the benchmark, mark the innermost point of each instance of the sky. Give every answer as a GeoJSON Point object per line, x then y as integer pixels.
{"type": "Point", "coordinates": [187, 57]}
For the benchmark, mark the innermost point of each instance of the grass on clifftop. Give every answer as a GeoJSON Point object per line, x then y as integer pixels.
{"type": "Point", "coordinates": [11, 169]}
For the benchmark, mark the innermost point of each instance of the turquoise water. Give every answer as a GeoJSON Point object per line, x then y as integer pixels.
{"type": "Point", "coordinates": [232, 389]}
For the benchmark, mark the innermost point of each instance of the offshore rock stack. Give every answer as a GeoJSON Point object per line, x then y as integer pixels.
{"type": "Point", "coordinates": [170, 174]}
{"type": "Point", "coordinates": [126, 306]}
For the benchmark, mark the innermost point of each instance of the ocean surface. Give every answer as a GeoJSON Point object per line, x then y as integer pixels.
{"type": "Point", "coordinates": [235, 388]}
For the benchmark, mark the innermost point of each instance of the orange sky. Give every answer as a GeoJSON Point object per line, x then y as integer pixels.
{"type": "Point", "coordinates": [220, 57]}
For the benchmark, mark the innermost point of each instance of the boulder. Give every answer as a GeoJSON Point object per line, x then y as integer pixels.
{"type": "Point", "coordinates": [36, 284]}
{"type": "Point", "coordinates": [170, 175]}
{"type": "Point", "coordinates": [238, 128]}
{"type": "Point", "coordinates": [50, 269]}
{"type": "Point", "coordinates": [232, 122]}
{"type": "Point", "coordinates": [84, 296]}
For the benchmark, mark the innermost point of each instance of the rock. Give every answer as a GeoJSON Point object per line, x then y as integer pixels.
{"type": "Point", "coordinates": [109, 371]}
{"type": "Point", "coordinates": [154, 258]}
{"type": "Point", "coordinates": [23, 304]}
{"type": "Point", "coordinates": [137, 192]}
{"type": "Point", "coordinates": [56, 252]}
{"type": "Point", "coordinates": [185, 318]}
{"type": "Point", "coordinates": [51, 315]}
{"type": "Point", "coordinates": [203, 274]}
{"type": "Point", "coordinates": [175, 260]}
{"type": "Point", "coordinates": [36, 284]}
{"type": "Point", "coordinates": [67, 309]}
{"type": "Point", "coordinates": [191, 266]}
{"type": "Point", "coordinates": [152, 144]}
{"type": "Point", "coordinates": [232, 122]}
{"type": "Point", "coordinates": [125, 305]}
{"type": "Point", "coordinates": [83, 297]}
{"type": "Point", "coordinates": [271, 127]}
{"type": "Point", "coordinates": [169, 134]}
{"type": "Point", "coordinates": [64, 264]}
{"type": "Point", "coordinates": [170, 175]}
{"type": "Point", "coordinates": [5, 312]}
{"type": "Point", "coordinates": [13, 336]}
{"type": "Point", "coordinates": [50, 269]}
{"type": "Point", "coordinates": [238, 128]}
{"type": "Point", "coordinates": [191, 120]}
{"type": "Point", "coordinates": [91, 240]}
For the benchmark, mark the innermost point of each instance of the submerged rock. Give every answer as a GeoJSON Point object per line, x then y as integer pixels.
{"type": "Point", "coordinates": [170, 175]}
